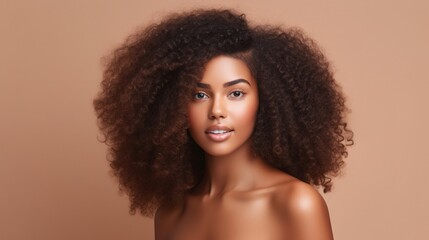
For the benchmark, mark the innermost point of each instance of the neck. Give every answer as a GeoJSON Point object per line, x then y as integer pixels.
{"type": "Point", "coordinates": [234, 172]}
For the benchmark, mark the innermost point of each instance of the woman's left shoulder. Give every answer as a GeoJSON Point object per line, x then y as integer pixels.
{"type": "Point", "coordinates": [301, 206]}
{"type": "Point", "coordinates": [297, 197]}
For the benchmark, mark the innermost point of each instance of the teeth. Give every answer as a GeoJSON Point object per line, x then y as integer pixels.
{"type": "Point", "coordinates": [218, 131]}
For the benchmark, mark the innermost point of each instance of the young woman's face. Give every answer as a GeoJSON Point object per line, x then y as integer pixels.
{"type": "Point", "coordinates": [224, 105]}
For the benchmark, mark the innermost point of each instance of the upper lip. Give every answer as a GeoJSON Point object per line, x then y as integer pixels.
{"type": "Point", "coordinates": [218, 127]}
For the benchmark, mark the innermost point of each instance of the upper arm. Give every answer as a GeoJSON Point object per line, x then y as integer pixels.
{"type": "Point", "coordinates": [158, 223]}
{"type": "Point", "coordinates": [305, 212]}
{"type": "Point", "coordinates": [164, 221]}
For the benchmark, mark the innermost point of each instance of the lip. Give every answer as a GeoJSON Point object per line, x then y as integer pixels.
{"type": "Point", "coordinates": [219, 137]}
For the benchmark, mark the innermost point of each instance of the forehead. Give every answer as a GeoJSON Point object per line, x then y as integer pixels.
{"type": "Point", "coordinates": [223, 69]}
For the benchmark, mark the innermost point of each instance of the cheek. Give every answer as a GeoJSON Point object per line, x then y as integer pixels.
{"type": "Point", "coordinates": [195, 118]}
{"type": "Point", "coordinates": [245, 114]}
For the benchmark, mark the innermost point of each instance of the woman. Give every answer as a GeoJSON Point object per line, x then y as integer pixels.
{"type": "Point", "coordinates": [221, 128]}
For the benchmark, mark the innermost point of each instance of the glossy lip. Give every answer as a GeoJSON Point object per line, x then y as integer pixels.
{"type": "Point", "coordinates": [219, 137]}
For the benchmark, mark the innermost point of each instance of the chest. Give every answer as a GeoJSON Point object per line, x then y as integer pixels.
{"type": "Point", "coordinates": [232, 219]}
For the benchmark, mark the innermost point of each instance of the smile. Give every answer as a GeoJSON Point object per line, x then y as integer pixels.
{"type": "Point", "coordinates": [219, 134]}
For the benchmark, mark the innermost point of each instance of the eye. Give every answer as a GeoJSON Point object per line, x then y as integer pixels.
{"type": "Point", "coordinates": [200, 96]}
{"type": "Point", "coordinates": [237, 94]}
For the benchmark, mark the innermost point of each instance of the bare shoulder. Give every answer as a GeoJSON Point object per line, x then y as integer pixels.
{"type": "Point", "coordinates": [298, 196]}
{"type": "Point", "coordinates": [301, 206]}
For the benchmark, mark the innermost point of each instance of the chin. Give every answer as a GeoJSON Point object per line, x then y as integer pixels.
{"type": "Point", "coordinates": [224, 149]}
{"type": "Point", "coordinates": [217, 152]}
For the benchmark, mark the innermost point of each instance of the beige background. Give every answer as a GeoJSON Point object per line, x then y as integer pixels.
{"type": "Point", "coordinates": [54, 181]}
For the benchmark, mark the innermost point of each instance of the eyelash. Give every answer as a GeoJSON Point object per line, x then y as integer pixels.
{"type": "Point", "coordinates": [242, 93]}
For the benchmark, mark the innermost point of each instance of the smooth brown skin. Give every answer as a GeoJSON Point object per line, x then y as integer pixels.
{"type": "Point", "coordinates": [240, 197]}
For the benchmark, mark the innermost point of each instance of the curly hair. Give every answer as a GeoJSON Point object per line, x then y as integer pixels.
{"type": "Point", "coordinates": [147, 83]}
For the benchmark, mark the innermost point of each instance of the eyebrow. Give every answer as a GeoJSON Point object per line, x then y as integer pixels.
{"type": "Point", "coordinates": [227, 84]}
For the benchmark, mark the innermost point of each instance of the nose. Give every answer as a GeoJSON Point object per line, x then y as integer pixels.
{"type": "Point", "coordinates": [217, 109]}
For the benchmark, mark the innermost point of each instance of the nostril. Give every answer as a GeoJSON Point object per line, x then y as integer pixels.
{"type": "Point", "coordinates": [216, 116]}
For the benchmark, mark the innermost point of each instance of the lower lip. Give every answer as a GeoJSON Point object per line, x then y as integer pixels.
{"type": "Point", "coordinates": [219, 137]}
